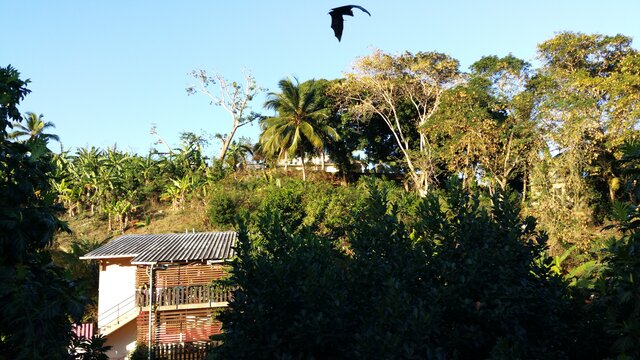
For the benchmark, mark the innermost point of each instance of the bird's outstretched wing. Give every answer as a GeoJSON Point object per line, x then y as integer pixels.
{"type": "Point", "coordinates": [361, 8]}
{"type": "Point", "coordinates": [337, 22]}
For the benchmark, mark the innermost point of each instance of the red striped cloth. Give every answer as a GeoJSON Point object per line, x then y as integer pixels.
{"type": "Point", "coordinates": [83, 330]}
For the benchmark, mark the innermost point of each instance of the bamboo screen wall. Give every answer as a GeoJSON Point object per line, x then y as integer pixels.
{"type": "Point", "coordinates": [181, 275]}
{"type": "Point", "coordinates": [187, 325]}
{"type": "Point", "coordinates": [179, 326]}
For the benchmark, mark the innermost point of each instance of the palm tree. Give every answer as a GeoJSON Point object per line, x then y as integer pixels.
{"type": "Point", "coordinates": [298, 124]}
{"type": "Point", "coordinates": [34, 128]}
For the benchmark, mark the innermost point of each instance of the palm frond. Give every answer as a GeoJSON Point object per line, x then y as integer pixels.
{"type": "Point", "coordinates": [298, 122]}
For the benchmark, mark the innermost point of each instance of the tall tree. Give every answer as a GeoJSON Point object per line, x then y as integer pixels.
{"type": "Point", "coordinates": [298, 122]}
{"type": "Point", "coordinates": [404, 91]}
{"type": "Point", "coordinates": [34, 128]}
{"type": "Point", "coordinates": [588, 100]}
{"type": "Point", "coordinates": [484, 126]}
{"type": "Point", "coordinates": [232, 96]}
{"type": "Point", "coordinates": [36, 301]}
{"type": "Point", "coordinates": [588, 104]}
{"type": "Point", "coordinates": [340, 150]}
{"type": "Point", "coordinates": [515, 138]}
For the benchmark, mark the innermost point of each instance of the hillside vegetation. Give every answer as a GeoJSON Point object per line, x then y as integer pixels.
{"type": "Point", "coordinates": [489, 214]}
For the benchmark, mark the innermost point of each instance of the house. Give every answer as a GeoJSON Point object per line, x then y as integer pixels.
{"type": "Point", "coordinates": [319, 163]}
{"type": "Point", "coordinates": [157, 288]}
{"type": "Point", "coordinates": [316, 163]}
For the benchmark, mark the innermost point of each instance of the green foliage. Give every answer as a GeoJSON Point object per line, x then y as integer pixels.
{"type": "Point", "coordinates": [237, 154]}
{"type": "Point", "coordinates": [90, 349]}
{"type": "Point", "coordinates": [396, 95]}
{"type": "Point", "coordinates": [484, 128]}
{"type": "Point", "coordinates": [466, 282]}
{"type": "Point", "coordinates": [630, 170]}
{"type": "Point", "coordinates": [83, 273]}
{"type": "Point", "coordinates": [437, 266]}
{"type": "Point", "coordinates": [562, 202]}
{"type": "Point", "coordinates": [12, 91]}
{"type": "Point", "coordinates": [620, 295]}
{"type": "Point", "coordinates": [141, 352]}
{"type": "Point", "coordinates": [300, 124]}
{"type": "Point", "coordinates": [286, 202]}
{"type": "Point", "coordinates": [331, 213]}
{"type": "Point", "coordinates": [298, 278]}
{"type": "Point", "coordinates": [340, 149]}
{"type": "Point", "coordinates": [37, 302]}
{"type": "Point", "coordinates": [580, 275]}
{"type": "Point", "coordinates": [586, 103]}
{"type": "Point", "coordinates": [122, 186]}
{"type": "Point", "coordinates": [618, 291]}
{"type": "Point", "coordinates": [223, 209]}
{"type": "Point", "coordinates": [34, 128]}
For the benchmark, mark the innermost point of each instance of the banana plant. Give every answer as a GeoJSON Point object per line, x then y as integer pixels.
{"type": "Point", "coordinates": [120, 211]}
{"type": "Point", "coordinates": [579, 275]}
{"type": "Point", "coordinates": [177, 191]}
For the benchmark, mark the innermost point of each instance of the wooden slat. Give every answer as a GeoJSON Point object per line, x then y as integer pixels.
{"type": "Point", "coordinates": [182, 275]}
{"type": "Point", "coordinates": [187, 351]}
{"type": "Point", "coordinates": [179, 326]}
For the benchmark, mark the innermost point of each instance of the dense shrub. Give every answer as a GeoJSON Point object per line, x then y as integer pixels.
{"type": "Point", "coordinates": [286, 201]}
{"type": "Point", "coordinates": [223, 208]}
{"type": "Point", "coordinates": [141, 352]}
{"type": "Point", "coordinates": [616, 308]}
{"type": "Point", "coordinates": [466, 283]}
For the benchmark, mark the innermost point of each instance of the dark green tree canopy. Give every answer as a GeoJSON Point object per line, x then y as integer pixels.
{"type": "Point", "coordinates": [37, 303]}
{"type": "Point", "coordinates": [12, 91]}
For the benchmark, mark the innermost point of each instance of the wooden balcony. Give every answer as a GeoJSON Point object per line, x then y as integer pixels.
{"type": "Point", "coordinates": [179, 296]}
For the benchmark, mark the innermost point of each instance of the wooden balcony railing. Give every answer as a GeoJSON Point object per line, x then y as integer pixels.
{"type": "Point", "coordinates": [182, 295]}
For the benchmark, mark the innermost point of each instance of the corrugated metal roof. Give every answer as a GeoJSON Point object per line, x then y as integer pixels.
{"type": "Point", "coordinates": [153, 248]}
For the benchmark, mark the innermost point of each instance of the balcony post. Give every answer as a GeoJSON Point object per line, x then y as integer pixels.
{"type": "Point", "coordinates": [150, 307]}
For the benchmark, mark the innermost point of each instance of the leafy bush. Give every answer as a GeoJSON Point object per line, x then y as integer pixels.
{"type": "Point", "coordinates": [619, 303]}
{"type": "Point", "coordinates": [37, 301]}
{"type": "Point", "coordinates": [466, 283]}
{"type": "Point", "coordinates": [616, 308]}
{"type": "Point", "coordinates": [339, 216]}
{"type": "Point", "coordinates": [141, 352]}
{"type": "Point", "coordinates": [223, 208]}
{"type": "Point", "coordinates": [91, 349]}
{"type": "Point", "coordinates": [286, 201]}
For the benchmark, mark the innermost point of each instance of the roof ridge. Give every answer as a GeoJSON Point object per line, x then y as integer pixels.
{"type": "Point", "coordinates": [151, 248]}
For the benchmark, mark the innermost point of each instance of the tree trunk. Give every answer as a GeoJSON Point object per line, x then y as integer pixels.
{"type": "Point", "coordinates": [121, 221]}
{"type": "Point", "coordinates": [304, 172]}
{"type": "Point", "coordinates": [466, 173]}
{"type": "Point", "coordinates": [614, 186]}
{"type": "Point", "coordinates": [524, 186]}
{"type": "Point", "coordinates": [503, 184]}
{"type": "Point", "coordinates": [227, 141]}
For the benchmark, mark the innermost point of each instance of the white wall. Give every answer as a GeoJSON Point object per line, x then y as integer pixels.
{"type": "Point", "coordinates": [117, 284]}
{"type": "Point", "coordinates": [122, 341]}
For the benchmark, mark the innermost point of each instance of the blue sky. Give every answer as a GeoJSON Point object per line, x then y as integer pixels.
{"type": "Point", "coordinates": [105, 71]}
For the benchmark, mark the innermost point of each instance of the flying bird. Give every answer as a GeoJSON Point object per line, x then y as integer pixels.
{"type": "Point", "coordinates": [337, 22]}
